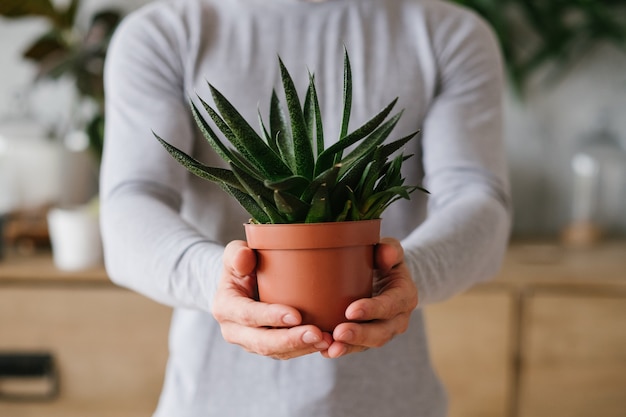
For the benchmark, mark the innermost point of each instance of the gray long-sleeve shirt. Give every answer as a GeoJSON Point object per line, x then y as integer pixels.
{"type": "Point", "coordinates": [164, 229]}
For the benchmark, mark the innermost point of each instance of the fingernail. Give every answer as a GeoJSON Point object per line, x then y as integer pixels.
{"type": "Point", "coordinates": [310, 337]}
{"type": "Point", "coordinates": [343, 351]}
{"type": "Point", "coordinates": [357, 315]}
{"type": "Point", "coordinates": [323, 345]}
{"type": "Point", "coordinates": [290, 320]}
{"type": "Point", "coordinates": [347, 336]}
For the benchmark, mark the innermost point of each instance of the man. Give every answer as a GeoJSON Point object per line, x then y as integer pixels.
{"type": "Point", "coordinates": [176, 238]}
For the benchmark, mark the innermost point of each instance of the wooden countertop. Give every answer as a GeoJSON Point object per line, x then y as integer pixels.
{"type": "Point", "coordinates": [39, 269]}
{"type": "Point", "coordinates": [537, 265]}
{"type": "Point", "coordinates": [546, 265]}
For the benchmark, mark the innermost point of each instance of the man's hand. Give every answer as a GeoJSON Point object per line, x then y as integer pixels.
{"type": "Point", "coordinates": [266, 329]}
{"type": "Point", "coordinates": [384, 315]}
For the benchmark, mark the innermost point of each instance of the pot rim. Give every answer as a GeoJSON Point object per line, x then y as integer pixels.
{"type": "Point", "coordinates": [313, 235]}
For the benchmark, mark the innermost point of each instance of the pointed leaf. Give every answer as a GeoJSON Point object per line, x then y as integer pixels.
{"type": "Point", "coordinates": [217, 175]}
{"type": "Point", "coordinates": [326, 159]}
{"type": "Point", "coordinates": [290, 206]}
{"type": "Point", "coordinates": [319, 127]}
{"type": "Point", "coordinates": [215, 142]}
{"type": "Point", "coordinates": [303, 152]}
{"type": "Point", "coordinates": [281, 132]}
{"type": "Point", "coordinates": [259, 194]}
{"type": "Point", "coordinates": [328, 177]}
{"type": "Point", "coordinates": [389, 148]}
{"type": "Point", "coordinates": [309, 111]}
{"type": "Point", "coordinates": [320, 206]}
{"type": "Point", "coordinates": [247, 141]}
{"type": "Point", "coordinates": [248, 203]}
{"type": "Point", "coordinates": [370, 143]}
{"type": "Point", "coordinates": [344, 213]}
{"type": "Point", "coordinates": [252, 186]}
{"type": "Point", "coordinates": [269, 139]}
{"type": "Point", "coordinates": [294, 184]}
{"type": "Point", "coordinates": [347, 96]}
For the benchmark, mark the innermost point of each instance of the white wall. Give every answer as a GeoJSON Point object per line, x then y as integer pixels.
{"type": "Point", "coordinates": [544, 129]}
{"type": "Point", "coordinates": [37, 112]}
{"type": "Point", "coordinates": [555, 120]}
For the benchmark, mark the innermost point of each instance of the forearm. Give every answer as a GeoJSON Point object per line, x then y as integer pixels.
{"type": "Point", "coordinates": [151, 250]}
{"type": "Point", "coordinates": [459, 246]}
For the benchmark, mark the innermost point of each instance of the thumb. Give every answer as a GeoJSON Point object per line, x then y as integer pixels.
{"type": "Point", "coordinates": [388, 254]}
{"type": "Point", "coordinates": [239, 259]}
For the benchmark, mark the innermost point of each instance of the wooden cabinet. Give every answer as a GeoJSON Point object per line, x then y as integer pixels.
{"type": "Point", "coordinates": [546, 338]}
{"type": "Point", "coordinates": [109, 344]}
{"type": "Point", "coordinates": [574, 355]}
{"type": "Point", "coordinates": [471, 348]}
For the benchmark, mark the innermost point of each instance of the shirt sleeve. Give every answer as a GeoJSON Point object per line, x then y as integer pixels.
{"type": "Point", "coordinates": [465, 234]}
{"type": "Point", "coordinates": [148, 246]}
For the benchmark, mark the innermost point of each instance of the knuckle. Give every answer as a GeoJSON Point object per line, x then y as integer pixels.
{"type": "Point", "coordinates": [263, 349]}
{"type": "Point", "coordinates": [404, 324]}
{"type": "Point", "coordinates": [218, 312]}
{"type": "Point", "coordinates": [227, 334]}
{"type": "Point", "coordinates": [384, 337]}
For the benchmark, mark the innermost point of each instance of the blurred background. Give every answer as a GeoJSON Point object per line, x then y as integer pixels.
{"type": "Point", "coordinates": [548, 335]}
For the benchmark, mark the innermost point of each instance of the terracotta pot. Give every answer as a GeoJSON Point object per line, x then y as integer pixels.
{"type": "Point", "coordinates": [317, 268]}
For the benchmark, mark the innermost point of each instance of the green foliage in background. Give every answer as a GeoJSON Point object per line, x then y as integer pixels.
{"type": "Point", "coordinates": [533, 33]}
{"type": "Point", "coordinates": [65, 50]}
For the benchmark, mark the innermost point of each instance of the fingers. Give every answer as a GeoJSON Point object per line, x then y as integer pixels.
{"type": "Point", "coordinates": [388, 254]}
{"type": "Point", "coordinates": [377, 320]}
{"type": "Point", "coordinates": [277, 343]}
{"type": "Point", "coordinates": [265, 329]}
{"type": "Point", "coordinates": [239, 259]}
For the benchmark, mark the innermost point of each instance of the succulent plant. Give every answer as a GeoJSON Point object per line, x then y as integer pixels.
{"type": "Point", "coordinates": [285, 175]}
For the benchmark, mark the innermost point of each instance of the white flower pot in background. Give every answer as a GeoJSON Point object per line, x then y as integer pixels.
{"type": "Point", "coordinates": [75, 237]}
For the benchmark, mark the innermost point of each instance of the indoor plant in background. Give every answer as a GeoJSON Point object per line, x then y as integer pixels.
{"type": "Point", "coordinates": [67, 50]}
{"type": "Point", "coordinates": [315, 211]}
{"type": "Point", "coordinates": [536, 33]}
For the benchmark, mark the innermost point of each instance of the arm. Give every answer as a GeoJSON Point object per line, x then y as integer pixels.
{"type": "Point", "coordinates": [148, 246]}
{"type": "Point", "coordinates": [465, 234]}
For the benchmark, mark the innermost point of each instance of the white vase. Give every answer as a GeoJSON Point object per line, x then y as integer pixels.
{"type": "Point", "coordinates": [75, 237]}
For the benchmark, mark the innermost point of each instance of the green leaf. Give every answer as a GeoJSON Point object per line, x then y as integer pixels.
{"type": "Point", "coordinates": [260, 194]}
{"type": "Point", "coordinates": [247, 141]}
{"type": "Point", "coordinates": [377, 203]}
{"type": "Point", "coordinates": [281, 132]}
{"type": "Point", "coordinates": [389, 148]}
{"type": "Point", "coordinates": [290, 206]}
{"type": "Point", "coordinates": [269, 139]}
{"type": "Point", "coordinates": [365, 187]}
{"type": "Point", "coordinates": [21, 8]}
{"type": "Point", "coordinates": [328, 177]}
{"type": "Point", "coordinates": [347, 96]}
{"type": "Point", "coordinates": [217, 175]}
{"type": "Point", "coordinates": [215, 142]}
{"type": "Point", "coordinates": [251, 185]}
{"type": "Point", "coordinates": [294, 184]}
{"type": "Point", "coordinates": [69, 15]}
{"type": "Point", "coordinates": [302, 149]}
{"type": "Point", "coordinates": [392, 175]}
{"type": "Point", "coordinates": [320, 205]}
{"type": "Point", "coordinates": [319, 127]}
{"type": "Point", "coordinates": [344, 213]}
{"type": "Point", "coordinates": [309, 111]}
{"type": "Point", "coordinates": [248, 203]}
{"type": "Point", "coordinates": [369, 144]}
{"type": "Point", "coordinates": [42, 48]}
{"type": "Point", "coordinates": [326, 159]}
